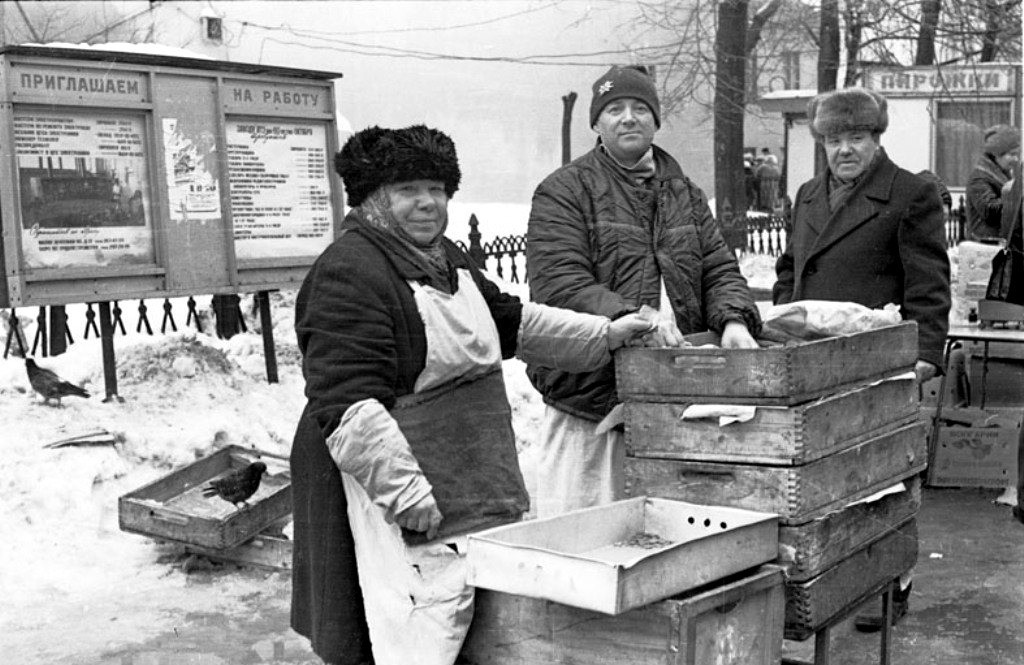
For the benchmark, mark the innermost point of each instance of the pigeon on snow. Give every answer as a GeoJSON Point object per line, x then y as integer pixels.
{"type": "Point", "coordinates": [49, 385]}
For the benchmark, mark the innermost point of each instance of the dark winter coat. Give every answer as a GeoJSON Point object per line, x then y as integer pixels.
{"type": "Point", "coordinates": [984, 198]}
{"type": "Point", "coordinates": [885, 244]}
{"type": "Point", "coordinates": [377, 353]}
{"type": "Point", "coordinates": [599, 243]}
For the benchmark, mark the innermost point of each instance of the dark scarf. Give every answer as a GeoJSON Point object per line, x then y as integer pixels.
{"type": "Point", "coordinates": [839, 191]}
{"type": "Point", "coordinates": [375, 214]}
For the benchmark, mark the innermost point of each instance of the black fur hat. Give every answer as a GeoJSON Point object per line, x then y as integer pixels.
{"type": "Point", "coordinates": [847, 110]}
{"type": "Point", "coordinates": [377, 156]}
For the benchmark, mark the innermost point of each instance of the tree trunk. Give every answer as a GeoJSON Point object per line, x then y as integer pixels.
{"type": "Point", "coordinates": [828, 61]}
{"type": "Point", "coordinates": [730, 49]}
{"type": "Point", "coordinates": [930, 10]}
{"type": "Point", "coordinates": [989, 40]}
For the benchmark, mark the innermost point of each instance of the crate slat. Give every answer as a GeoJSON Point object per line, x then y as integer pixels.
{"type": "Point", "coordinates": [780, 375]}
{"type": "Point", "coordinates": [815, 546]}
{"type": "Point", "coordinates": [776, 434]}
{"type": "Point", "coordinates": [797, 493]}
{"type": "Point", "coordinates": [813, 604]}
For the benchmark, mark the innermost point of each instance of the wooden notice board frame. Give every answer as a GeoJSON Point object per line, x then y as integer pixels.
{"type": "Point", "coordinates": [132, 175]}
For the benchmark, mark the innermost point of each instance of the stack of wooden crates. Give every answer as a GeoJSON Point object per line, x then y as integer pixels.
{"type": "Point", "coordinates": [833, 425]}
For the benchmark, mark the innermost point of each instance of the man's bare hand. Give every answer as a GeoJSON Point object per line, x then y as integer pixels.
{"type": "Point", "coordinates": [422, 516]}
{"type": "Point", "coordinates": [924, 371]}
{"type": "Point", "coordinates": [736, 336]}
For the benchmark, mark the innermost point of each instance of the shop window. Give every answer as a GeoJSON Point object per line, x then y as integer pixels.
{"type": "Point", "coordinates": [791, 69]}
{"type": "Point", "coordinates": [958, 136]}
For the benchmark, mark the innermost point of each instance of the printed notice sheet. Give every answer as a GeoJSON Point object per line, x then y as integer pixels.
{"type": "Point", "coordinates": [280, 192]}
{"type": "Point", "coordinates": [84, 187]}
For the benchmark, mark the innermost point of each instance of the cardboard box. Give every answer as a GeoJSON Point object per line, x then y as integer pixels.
{"type": "Point", "coordinates": [977, 448]}
{"type": "Point", "coordinates": [739, 620]}
{"type": "Point", "coordinates": [622, 555]}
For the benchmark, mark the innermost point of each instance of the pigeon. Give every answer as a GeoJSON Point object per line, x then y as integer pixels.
{"type": "Point", "coordinates": [237, 486]}
{"type": "Point", "coordinates": [49, 385]}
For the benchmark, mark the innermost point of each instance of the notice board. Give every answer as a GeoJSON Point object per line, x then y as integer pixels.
{"type": "Point", "coordinates": [128, 175]}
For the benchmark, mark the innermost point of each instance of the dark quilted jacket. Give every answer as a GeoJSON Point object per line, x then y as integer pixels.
{"type": "Point", "coordinates": [599, 243]}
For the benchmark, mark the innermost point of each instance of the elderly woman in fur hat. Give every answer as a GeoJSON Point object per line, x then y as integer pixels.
{"type": "Point", "coordinates": [406, 444]}
{"type": "Point", "coordinates": [869, 232]}
{"type": "Point", "coordinates": [1001, 151]}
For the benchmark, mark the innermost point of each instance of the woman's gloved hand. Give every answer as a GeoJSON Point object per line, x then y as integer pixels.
{"type": "Point", "coordinates": [422, 516]}
{"type": "Point", "coordinates": [736, 336]}
{"type": "Point", "coordinates": [663, 331]}
{"type": "Point", "coordinates": [627, 328]}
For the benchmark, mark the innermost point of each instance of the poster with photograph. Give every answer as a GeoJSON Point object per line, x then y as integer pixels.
{"type": "Point", "coordinates": [280, 192]}
{"type": "Point", "coordinates": [84, 185]}
{"type": "Point", "coordinates": [190, 152]}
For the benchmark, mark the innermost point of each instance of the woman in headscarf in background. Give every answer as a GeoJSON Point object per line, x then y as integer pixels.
{"type": "Point", "coordinates": [985, 184]}
{"type": "Point", "coordinates": [406, 445]}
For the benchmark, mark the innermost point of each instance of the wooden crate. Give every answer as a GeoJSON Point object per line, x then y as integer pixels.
{"type": "Point", "coordinates": [796, 493]}
{"type": "Point", "coordinates": [732, 622]}
{"type": "Point", "coordinates": [809, 549]}
{"type": "Point", "coordinates": [779, 375]}
{"type": "Point", "coordinates": [173, 507]}
{"type": "Point", "coordinates": [815, 603]}
{"type": "Point", "coordinates": [776, 434]}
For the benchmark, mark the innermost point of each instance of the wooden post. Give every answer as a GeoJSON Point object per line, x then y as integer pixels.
{"type": "Point", "coordinates": [58, 330]}
{"type": "Point", "coordinates": [109, 361]}
{"type": "Point", "coordinates": [568, 101]}
{"type": "Point", "coordinates": [267, 325]}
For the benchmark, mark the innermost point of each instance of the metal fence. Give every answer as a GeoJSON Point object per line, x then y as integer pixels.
{"type": "Point", "coordinates": [765, 234]}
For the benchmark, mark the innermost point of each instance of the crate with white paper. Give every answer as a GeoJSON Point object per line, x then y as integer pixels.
{"type": "Point", "coordinates": [622, 555]}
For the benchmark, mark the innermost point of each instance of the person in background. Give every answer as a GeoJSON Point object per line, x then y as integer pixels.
{"type": "Point", "coordinates": [1001, 151]}
{"type": "Point", "coordinates": [768, 175]}
{"type": "Point", "coordinates": [406, 445]}
{"type": "Point", "coordinates": [617, 230]}
{"type": "Point", "coordinates": [869, 232]}
{"type": "Point", "coordinates": [749, 184]}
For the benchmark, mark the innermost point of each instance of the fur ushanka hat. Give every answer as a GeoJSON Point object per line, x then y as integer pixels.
{"type": "Point", "coordinates": [847, 110]}
{"type": "Point", "coordinates": [376, 156]}
{"type": "Point", "coordinates": [1001, 139]}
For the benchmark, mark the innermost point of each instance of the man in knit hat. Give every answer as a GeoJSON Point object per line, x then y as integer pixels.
{"type": "Point", "coordinates": [618, 230]}
{"type": "Point", "coordinates": [866, 231]}
{"type": "Point", "coordinates": [1001, 150]}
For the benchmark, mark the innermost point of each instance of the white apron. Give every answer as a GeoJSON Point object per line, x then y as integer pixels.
{"type": "Point", "coordinates": [418, 605]}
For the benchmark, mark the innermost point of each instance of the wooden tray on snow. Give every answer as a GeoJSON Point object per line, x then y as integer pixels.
{"type": "Point", "coordinates": [173, 507]}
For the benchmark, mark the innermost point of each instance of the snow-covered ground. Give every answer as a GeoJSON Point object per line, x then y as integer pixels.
{"type": "Point", "coordinates": [74, 585]}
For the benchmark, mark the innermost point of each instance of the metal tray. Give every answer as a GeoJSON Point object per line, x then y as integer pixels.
{"type": "Point", "coordinates": [592, 558]}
